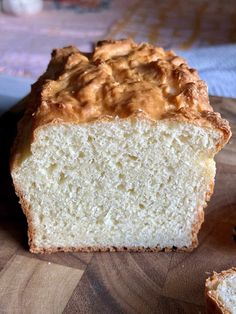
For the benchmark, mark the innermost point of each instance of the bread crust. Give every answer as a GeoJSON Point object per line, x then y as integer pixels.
{"type": "Point", "coordinates": [213, 304]}
{"type": "Point", "coordinates": [160, 86]}
{"type": "Point", "coordinates": [93, 249]}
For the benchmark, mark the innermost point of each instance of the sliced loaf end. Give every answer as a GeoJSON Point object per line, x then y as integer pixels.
{"type": "Point", "coordinates": [117, 184]}
{"type": "Point", "coordinates": [116, 151]}
{"type": "Point", "coordinates": [220, 291]}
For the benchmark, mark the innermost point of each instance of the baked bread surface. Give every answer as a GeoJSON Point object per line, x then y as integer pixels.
{"type": "Point", "coordinates": [120, 81]}
{"type": "Point", "coordinates": [215, 301]}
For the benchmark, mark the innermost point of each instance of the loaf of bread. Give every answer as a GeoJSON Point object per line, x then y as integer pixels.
{"type": "Point", "coordinates": [116, 151]}
{"type": "Point", "coordinates": [220, 292]}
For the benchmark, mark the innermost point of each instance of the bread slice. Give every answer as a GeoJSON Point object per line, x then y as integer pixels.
{"type": "Point", "coordinates": [116, 151]}
{"type": "Point", "coordinates": [221, 292]}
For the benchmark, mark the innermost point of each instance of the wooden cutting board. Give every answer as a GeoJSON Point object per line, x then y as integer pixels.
{"type": "Point", "coordinates": [115, 282]}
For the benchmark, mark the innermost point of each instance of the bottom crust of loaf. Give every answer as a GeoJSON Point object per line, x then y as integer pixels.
{"type": "Point", "coordinates": [109, 249]}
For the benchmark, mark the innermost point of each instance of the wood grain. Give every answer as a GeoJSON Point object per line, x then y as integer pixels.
{"type": "Point", "coordinates": [34, 286]}
{"type": "Point", "coordinates": [115, 282]}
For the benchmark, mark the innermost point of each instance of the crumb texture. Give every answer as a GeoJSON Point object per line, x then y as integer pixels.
{"type": "Point", "coordinates": [226, 291]}
{"type": "Point", "coordinates": [122, 183]}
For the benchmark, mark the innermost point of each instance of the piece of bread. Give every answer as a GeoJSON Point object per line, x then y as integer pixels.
{"type": "Point", "coordinates": [116, 151]}
{"type": "Point", "coordinates": [220, 291]}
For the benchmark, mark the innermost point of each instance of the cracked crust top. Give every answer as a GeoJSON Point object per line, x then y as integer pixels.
{"type": "Point", "coordinates": [120, 79]}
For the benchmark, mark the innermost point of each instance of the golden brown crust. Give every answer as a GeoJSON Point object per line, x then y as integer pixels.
{"type": "Point", "coordinates": [35, 249]}
{"type": "Point", "coordinates": [213, 304]}
{"type": "Point", "coordinates": [120, 79]}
